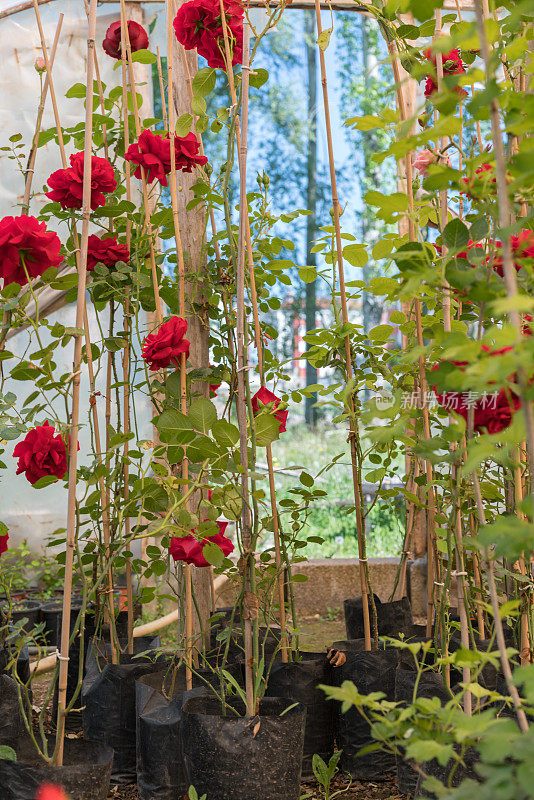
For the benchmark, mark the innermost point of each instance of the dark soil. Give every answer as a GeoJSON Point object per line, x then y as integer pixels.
{"type": "Point", "coordinates": [316, 634]}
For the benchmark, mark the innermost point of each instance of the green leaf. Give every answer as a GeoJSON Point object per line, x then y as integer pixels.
{"type": "Point", "coordinates": [144, 57]}
{"type": "Point", "coordinates": [307, 274]}
{"type": "Point", "coordinates": [455, 235]}
{"type": "Point", "coordinates": [174, 428]}
{"type": "Point", "coordinates": [183, 124]}
{"type": "Point", "coordinates": [198, 105]}
{"type": "Point", "coordinates": [356, 254]}
{"type": "Point", "coordinates": [226, 434]}
{"type": "Point", "coordinates": [204, 82]}
{"type": "Point", "coordinates": [323, 39]}
{"type": "Point", "coordinates": [258, 77]}
{"type": "Point", "coordinates": [7, 753]}
{"type": "Point", "coordinates": [202, 414]}
{"type": "Point", "coordinates": [78, 90]}
{"type": "Point", "coordinates": [267, 429]}
{"type": "Point", "coordinates": [213, 554]}
{"type": "Point", "coordinates": [381, 333]}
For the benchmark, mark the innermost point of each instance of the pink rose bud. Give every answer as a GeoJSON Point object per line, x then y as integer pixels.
{"type": "Point", "coordinates": [40, 65]}
{"type": "Point", "coordinates": [422, 161]}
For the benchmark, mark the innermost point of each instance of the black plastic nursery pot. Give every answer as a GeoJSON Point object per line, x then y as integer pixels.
{"type": "Point", "coordinates": [430, 685]}
{"type": "Point", "coordinates": [85, 774]}
{"type": "Point", "coordinates": [159, 698]}
{"type": "Point", "coordinates": [108, 699]}
{"type": "Point", "coordinates": [24, 609]}
{"type": "Point", "coordinates": [370, 672]}
{"type": "Point", "coordinates": [52, 614]}
{"type": "Point", "coordinates": [392, 618]}
{"type": "Point", "coordinates": [299, 680]}
{"type": "Point", "coordinates": [230, 757]}
{"type": "Point", "coordinates": [11, 722]}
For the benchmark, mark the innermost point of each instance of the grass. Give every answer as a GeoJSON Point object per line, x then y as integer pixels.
{"type": "Point", "coordinates": [302, 449]}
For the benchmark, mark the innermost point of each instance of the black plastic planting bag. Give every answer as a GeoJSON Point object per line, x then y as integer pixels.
{"type": "Point", "coordinates": [108, 698]}
{"type": "Point", "coordinates": [392, 618]}
{"type": "Point", "coordinates": [160, 766]}
{"type": "Point", "coordinates": [370, 672]}
{"type": "Point", "coordinates": [85, 774]}
{"type": "Point", "coordinates": [299, 680]}
{"type": "Point", "coordinates": [430, 685]}
{"type": "Point", "coordinates": [11, 722]}
{"type": "Point", "coordinates": [238, 758]}
{"type": "Point", "coordinates": [461, 772]}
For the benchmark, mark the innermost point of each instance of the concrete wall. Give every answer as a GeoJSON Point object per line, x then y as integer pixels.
{"type": "Point", "coordinates": [333, 580]}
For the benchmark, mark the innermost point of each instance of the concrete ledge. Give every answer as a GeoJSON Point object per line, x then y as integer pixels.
{"type": "Point", "coordinates": [333, 580]}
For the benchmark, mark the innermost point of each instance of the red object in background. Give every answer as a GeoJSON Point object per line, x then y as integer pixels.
{"type": "Point", "coordinates": [452, 65]}
{"type": "Point", "coordinates": [106, 250]}
{"type": "Point", "coordinates": [264, 397]}
{"type": "Point", "coordinates": [153, 154]}
{"type": "Point", "coordinates": [3, 543]}
{"type": "Point", "coordinates": [49, 791]}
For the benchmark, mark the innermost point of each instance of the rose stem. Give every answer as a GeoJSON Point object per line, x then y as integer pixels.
{"type": "Point", "coordinates": [126, 354]}
{"type": "Point", "coordinates": [125, 38]}
{"type": "Point", "coordinates": [187, 577]}
{"type": "Point", "coordinates": [242, 150]}
{"type": "Point", "coordinates": [76, 370]}
{"type": "Point", "coordinates": [33, 152]}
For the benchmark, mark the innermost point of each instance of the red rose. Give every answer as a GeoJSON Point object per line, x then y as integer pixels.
{"type": "Point", "coordinates": [492, 411]}
{"type": "Point", "coordinates": [25, 238]}
{"type": "Point", "coordinates": [50, 792]}
{"type": "Point", "coordinates": [105, 251]}
{"type": "Point", "coordinates": [452, 65]}
{"type": "Point", "coordinates": [67, 184]}
{"type": "Point", "coordinates": [136, 33]}
{"type": "Point", "coordinates": [263, 400]}
{"type": "Point", "coordinates": [198, 24]}
{"type": "Point", "coordinates": [165, 346]}
{"type": "Point", "coordinates": [3, 543]}
{"type": "Point", "coordinates": [522, 247]}
{"type": "Point", "coordinates": [191, 550]}
{"type": "Point", "coordinates": [41, 453]}
{"type": "Point", "coordinates": [153, 153]}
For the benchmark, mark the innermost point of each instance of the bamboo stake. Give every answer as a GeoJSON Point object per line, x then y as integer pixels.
{"type": "Point", "coordinates": [73, 442]}
{"type": "Point", "coordinates": [362, 557]}
{"type": "Point", "coordinates": [30, 166]}
{"type": "Point", "coordinates": [126, 354]}
{"type": "Point", "coordinates": [505, 664]}
{"type": "Point", "coordinates": [187, 577]}
{"type": "Point", "coordinates": [162, 91]}
{"type": "Point", "coordinates": [125, 38]}
{"type": "Point", "coordinates": [423, 387]}
{"type": "Point", "coordinates": [242, 152]}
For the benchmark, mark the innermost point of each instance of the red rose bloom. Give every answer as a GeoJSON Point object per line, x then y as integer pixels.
{"type": "Point", "coordinates": [263, 400]}
{"type": "Point", "coordinates": [522, 247]}
{"type": "Point", "coordinates": [165, 346]}
{"type": "Point", "coordinates": [3, 543]}
{"type": "Point", "coordinates": [492, 411]}
{"type": "Point", "coordinates": [50, 792]}
{"type": "Point", "coordinates": [136, 33]}
{"type": "Point", "coordinates": [41, 453]}
{"type": "Point", "coordinates": [25, 239]}
{"type": "Point", "coordinates": [105, 251]}
{"type": "Point", "coordinates": [452, 65]}
{"type": "Point", "coordinates": [153, 153]}
{"type": "Point", "coordinates": [198, 24]}
{"type": "Point", "coordinates": [191, 550]}
{"type": "Point", "coordinates": [67, 184]}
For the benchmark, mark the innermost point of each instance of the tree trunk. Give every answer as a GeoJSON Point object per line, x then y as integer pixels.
{"type": "Point", "coordinates": [311, 202]}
